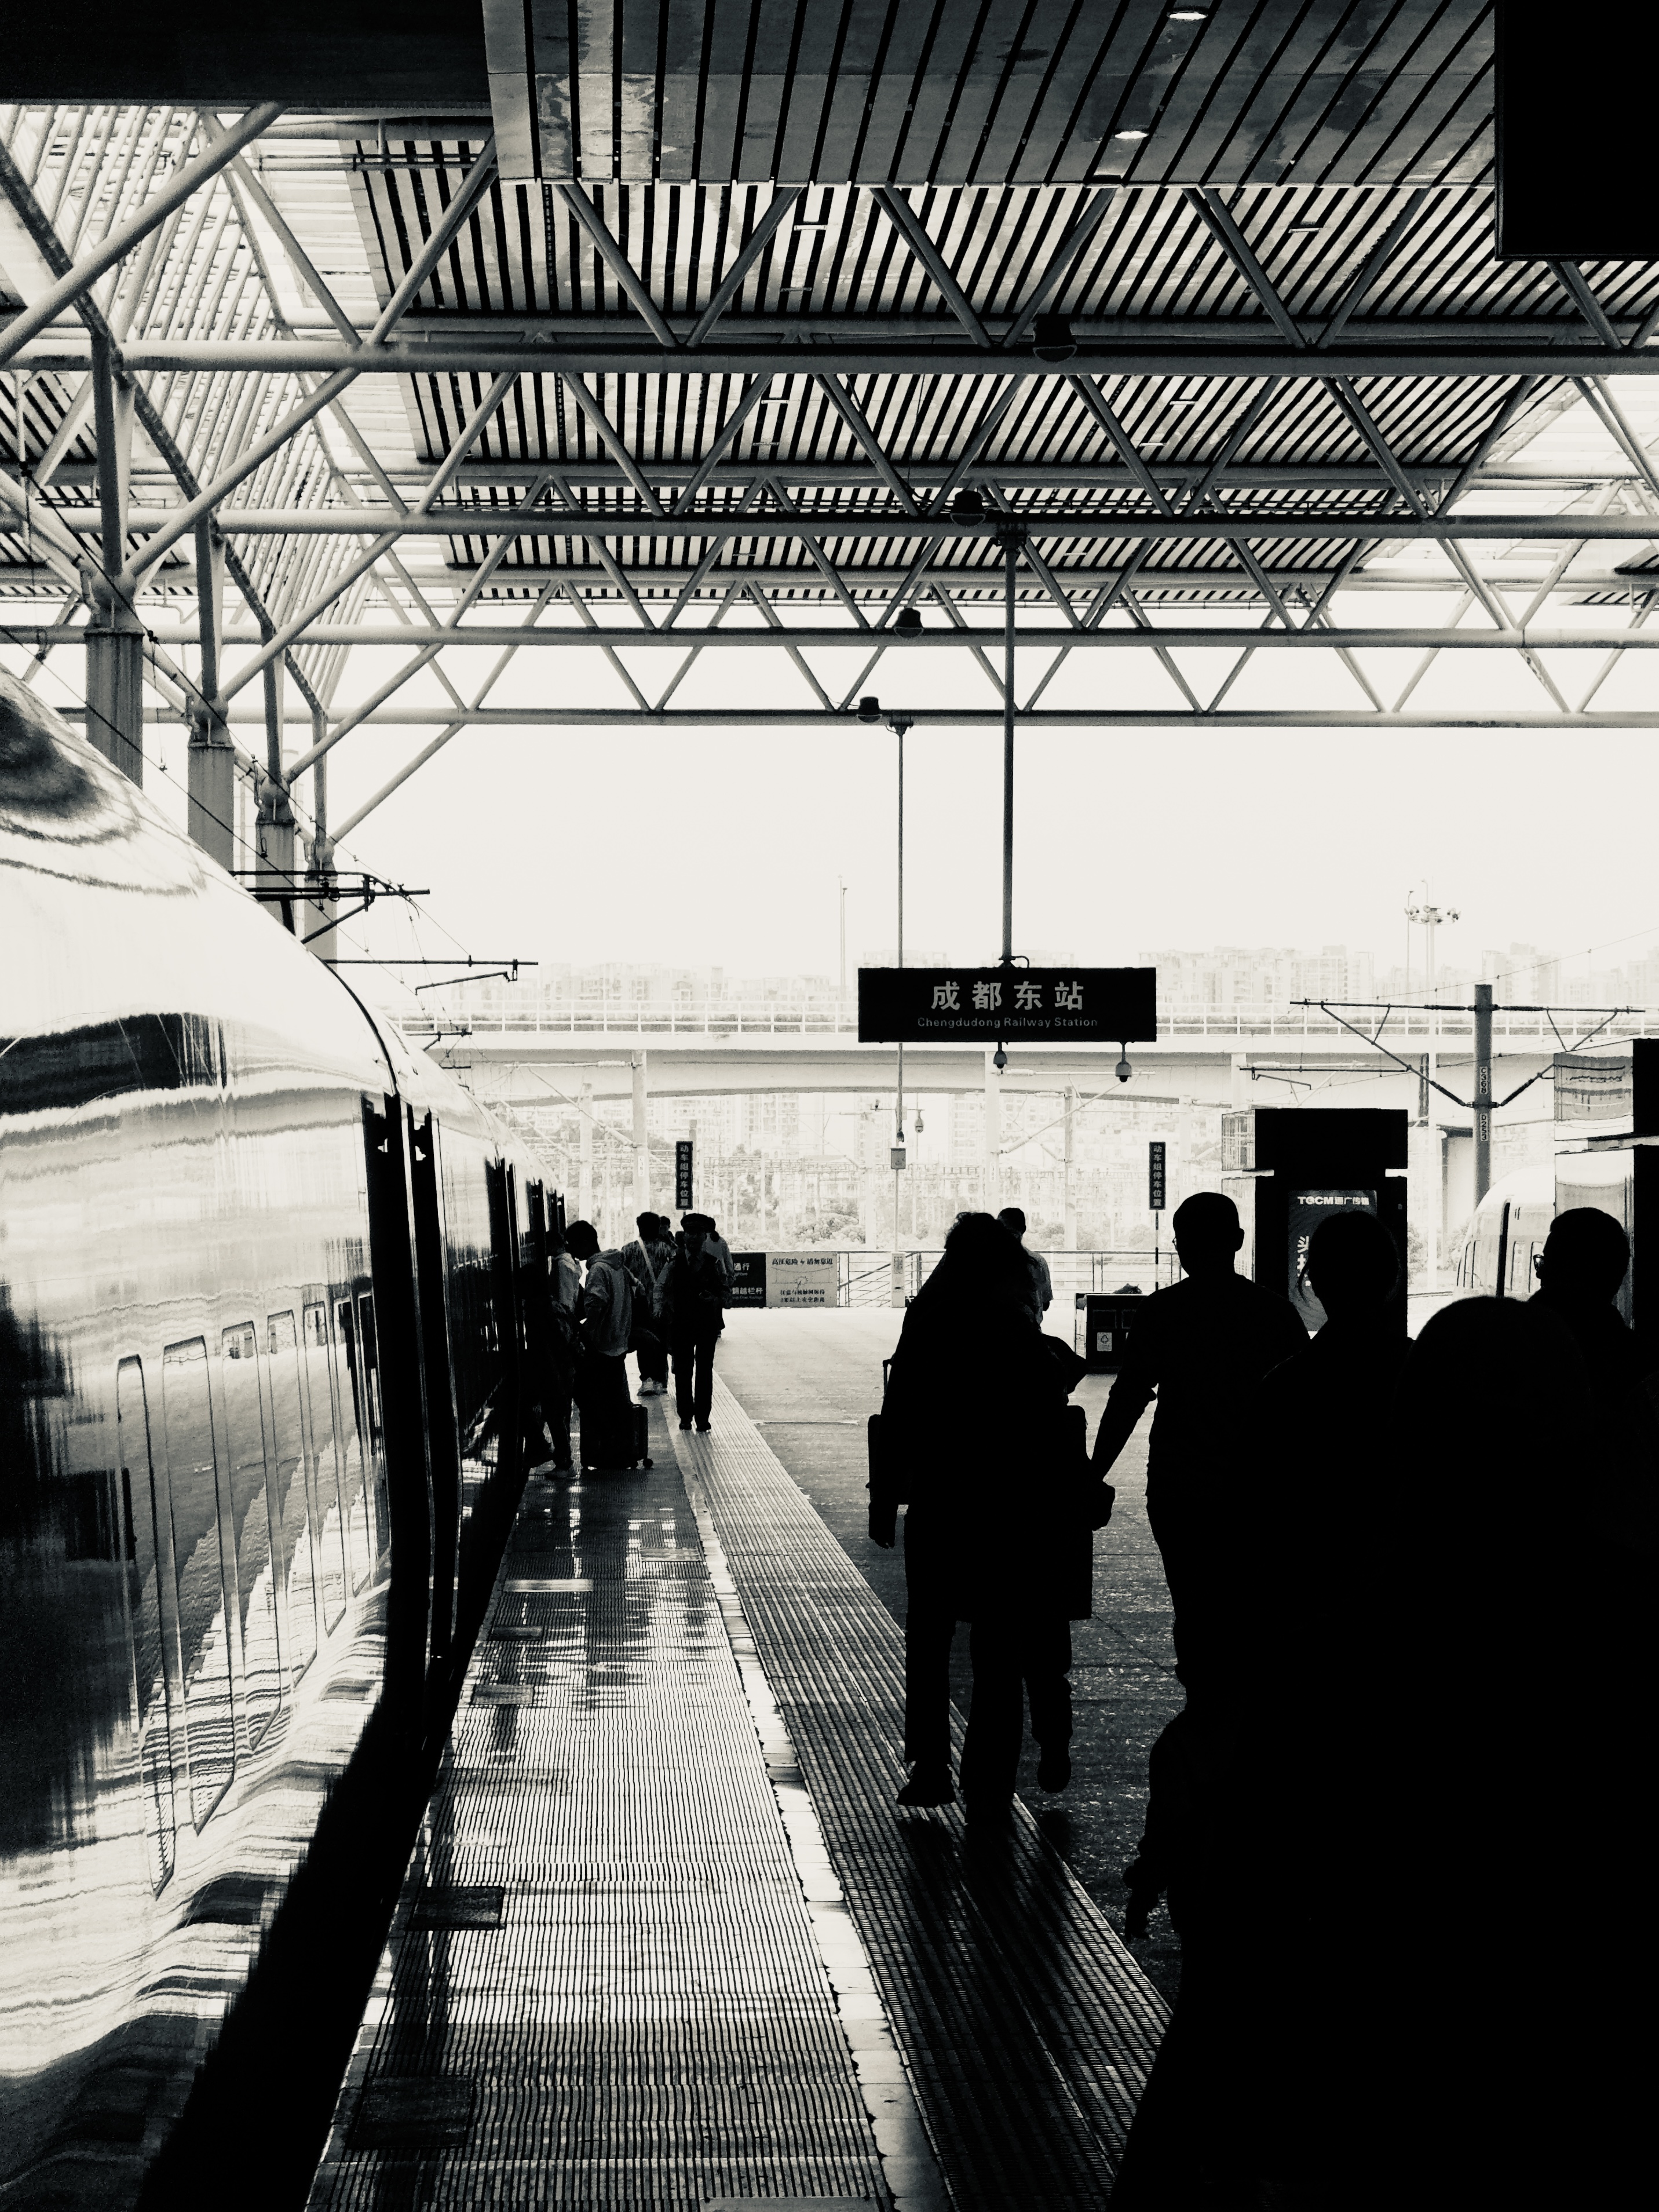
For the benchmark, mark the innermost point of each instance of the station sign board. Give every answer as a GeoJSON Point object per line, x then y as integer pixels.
{"type": "Point", "coordinates": [803, 1278]}
{"type": "Point", "coordinates": [1008, 1005]}
{"type": "Point", "coordinates": [682, 1198]}
{"type": "Point", "coordinates": [795, 1279]}
{"type": "Point", "coordinates": [1156, 1181]}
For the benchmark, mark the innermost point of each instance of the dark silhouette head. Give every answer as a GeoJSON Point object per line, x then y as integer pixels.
{"type": "Point", "coordinates": [1207, 1233]}
{"type": "Point", "coordinates": [1012, 1219]}
{"type": "Point", "coordinates": [556, 1240]}
{"type": "Point", "coordinates": [583, 1239]}
{"type": "Point", "coordinates": [1489, 1395]}
{"type": "Point", "coordinates": [646, 1226]}
{"type": "Point", "coordinates": [1585, 1259]}
{"type": "Point", "coordinates": [983, 1263]}
{"type": "Point", "coordinates": [1352, 1264]}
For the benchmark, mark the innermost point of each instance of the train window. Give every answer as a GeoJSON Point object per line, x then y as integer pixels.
{"type": "Point", "coordinates": [369, 1352]}
{"type": "Point", "coordinates": [326, 1467]}
{"type": "Point", "coordinates": [290, 1498]}
{"type": "Point", "coordinates": [142, 1552]}
{"type": "Point", "coordinates": [199, 1575]}
{"type": "Point", "coordinates": [356, 1502]}
{"type": "Point", "coordinates": [251, 1530]}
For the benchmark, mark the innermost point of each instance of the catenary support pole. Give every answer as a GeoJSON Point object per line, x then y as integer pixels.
{"type": "Point", "coordinates": [323, 905]}
{"type": "Point", "coordinates": [1482, 1090]}
{"type": "Point", "coordinates": [1071, 1157]}
{"type": "Point", "coordinates": [585, 1155]}
{"type": "Point", "coordinates": [642, 1139]}
{"type": "Point", "coordinates": [993, 1199]}
{"type": "Point", "coordinates": [898, 1096]}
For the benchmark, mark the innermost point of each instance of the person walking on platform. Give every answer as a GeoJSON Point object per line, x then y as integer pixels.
{"type": "Point", "coordinates": [1012, 1219]}
{"type": "Point", "coordinates": [974, 1443]}
{"type": "Point", "coordinates": [694, 1302]}
{"type": "Point", "coordinates": [540, 1352]}
{"type": "Point", "coordinates": [720, 1252]}
{"type": "Point", "coordinates": [646, 1259]}
{"type": "Point", "coordinates": [606, 1312]}
{"type": "Point", "coordinates": [564, 1284]}
{"type": "Point", "coordinates": [1201, 1346]}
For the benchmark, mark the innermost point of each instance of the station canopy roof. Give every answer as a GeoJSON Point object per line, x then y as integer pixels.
{"type": "Point", "coordinates": [623, 317]}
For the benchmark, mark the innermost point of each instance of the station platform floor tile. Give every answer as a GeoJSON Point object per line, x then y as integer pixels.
{"type": "Point", "coordinates": [665, 1940]}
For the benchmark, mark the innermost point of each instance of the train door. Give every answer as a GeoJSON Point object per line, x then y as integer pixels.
{"type": "Point", "coordinates": [328, 1503]}
{"type": "Point", "coordinates": [152, 1618]}
{"type": "Point", "coordinates": [443, 1426]}
{"type": "Point", "coordinates": [504, 1255]}
{"type": "Point", "coordinates": [354, 1435]}
{"type": "Point", "coordinates": [198, 1574]}
{"type": "Point", "coordinates": [390, 1351]}
{"type": "Point", "coordinates": [291, 1511]}
{"type": "Point", "coordinates": [252, 1554]}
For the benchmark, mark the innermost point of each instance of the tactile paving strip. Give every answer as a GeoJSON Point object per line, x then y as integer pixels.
{"type": "Point", "coordinates": [1027, 2028]}
{"type": "Point", "coordinates": [602, 1987]}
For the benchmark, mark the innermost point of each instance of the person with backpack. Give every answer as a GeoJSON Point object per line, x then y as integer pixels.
{"type": "Point", "coordinates": [693, 1302]}
{"type": "Point", "coordinates": [647, 1259]}
{"type": "Point", "coordinates": [605, 1313]}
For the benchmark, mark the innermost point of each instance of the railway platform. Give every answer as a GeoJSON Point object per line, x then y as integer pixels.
{"type": "Point", "coordinates": [664, 1939]}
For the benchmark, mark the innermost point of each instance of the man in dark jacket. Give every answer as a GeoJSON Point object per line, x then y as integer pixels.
{"type": "Point", "coordinates": [693, 1297]}
{"type": "Point", "coordinates": [1585, 1259]}
{"type": "Point", "coordinates": [1201, 1346]}
{"type": "Point", "coordinates": [976, 1443]}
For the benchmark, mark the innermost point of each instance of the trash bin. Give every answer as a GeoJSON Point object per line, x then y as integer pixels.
{"type": "Point", "coordinates": [1102, 1325]}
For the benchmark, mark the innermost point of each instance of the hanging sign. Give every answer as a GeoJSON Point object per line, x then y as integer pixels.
{"type": "Point", "coordinates": [682, 1198]}
{"type": "Point", "coordinates": [1155, 1177]}
{"type": "Point", "coordinates": [1015, 1005]}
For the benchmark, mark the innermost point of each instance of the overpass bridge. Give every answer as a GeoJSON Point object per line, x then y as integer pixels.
{"type": "Point", "coordinates": [1217, 1059]}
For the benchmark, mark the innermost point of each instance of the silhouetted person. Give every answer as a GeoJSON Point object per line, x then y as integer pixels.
{"type": "Point", "coordinates": [1012, 1219]}
{"type": "Point", "coordinates": [1585, 1259]}
{"type": "Point", "coordinates": [694, 1300]}
{"type": "Point", "coordinates": [1464, 1756]}
{"type": "Point", "coordinates": [564, 1284]}
{"type": "Point", "coordinates": [1202, 1345]}
{"type": "Point", "coordinates": [541, 1380]}
{"type": "Point", "coordinates": [606, 1314]}
{"type": "Point", "coordinates": [1302, 1614]}
{"type": "Point", "coordinates": [973, 1442]}
{"type": "Point", "coordinates": [646, 1258]}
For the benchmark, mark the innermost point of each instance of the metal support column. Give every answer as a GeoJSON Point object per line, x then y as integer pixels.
{"type": "Point", "coordinates": [115, 638]}
{"type": "Point", "coordinates": [1482, 1090]}
{"type": "Point", "coordinates": [1013, 537]}
{"type": "Point", "coordinates": [993, 1199]}
{"type": "Point", "coordinates": [274, 837]}
{"type": "Point", "coordinates": [642, 1139]}
{"type": "Point", "coordinates": [211, 770]}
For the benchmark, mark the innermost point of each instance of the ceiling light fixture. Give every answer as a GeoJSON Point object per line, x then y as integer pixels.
{"type": "Point", "coordinates": [1189, 14]}
{"type": "Point", "coordinates": [1133, 136]}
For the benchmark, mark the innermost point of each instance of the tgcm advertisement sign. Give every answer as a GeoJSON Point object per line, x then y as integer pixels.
{"type": "Point", "coordinates": [1008, 1005]}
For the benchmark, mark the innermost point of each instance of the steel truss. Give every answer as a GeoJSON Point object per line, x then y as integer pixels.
{"type": "Point", "coordinates": [1335, 435]}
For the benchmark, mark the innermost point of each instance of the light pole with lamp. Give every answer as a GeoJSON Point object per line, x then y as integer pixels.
{"type": "Point", "coordinates": [1430, 917]}
{"type": "Point", "coordinates": [869, 711]}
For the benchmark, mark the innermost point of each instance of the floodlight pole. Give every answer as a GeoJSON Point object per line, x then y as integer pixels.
{"type": "Point", "coordinates": [1482, 1090]}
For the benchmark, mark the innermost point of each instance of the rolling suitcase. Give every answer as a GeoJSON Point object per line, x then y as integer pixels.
{"type": "Point", "coordinates": [610, 1448]}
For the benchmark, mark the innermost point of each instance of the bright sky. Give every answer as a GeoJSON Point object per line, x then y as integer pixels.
{"type": "Point", "coordinates": [713, 846]}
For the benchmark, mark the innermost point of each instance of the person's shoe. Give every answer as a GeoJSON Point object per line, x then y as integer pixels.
{"type": "Point", "coordinates": [989, 1808]}
{"type": "Point", "coordinates": [702, 1428]}
{"type": "Point", "coordinates": [928, 1785]}
{"type": "Point", "coordinates": [1053, 1769]}
{"type": "Point", "coordinates": [685, 1425]}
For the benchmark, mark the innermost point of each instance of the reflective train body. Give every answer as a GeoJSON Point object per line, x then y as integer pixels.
{"type": "Point", "coordinates": [258, 1439]}
{"type": "Point", "coordinates": [1507, 1230]}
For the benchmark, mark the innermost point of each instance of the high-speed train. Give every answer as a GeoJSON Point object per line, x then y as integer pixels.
{"type": "Point", "coordinates": [260, 1441]}
{"type": "Point", "coordinates": [1507, 1230]}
